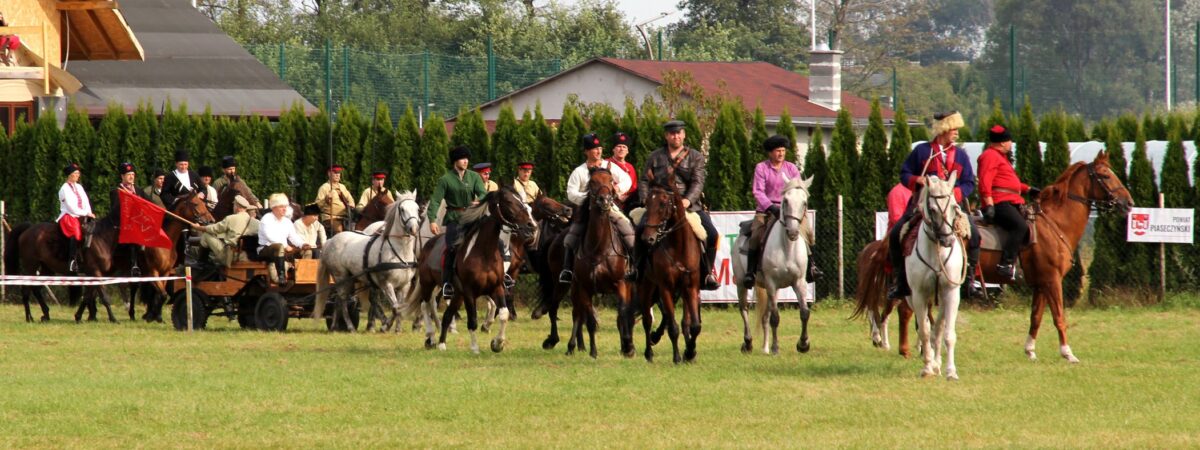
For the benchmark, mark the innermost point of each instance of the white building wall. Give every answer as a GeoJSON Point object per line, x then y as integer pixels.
{"type": "Point", "coordinates": [594, 83]}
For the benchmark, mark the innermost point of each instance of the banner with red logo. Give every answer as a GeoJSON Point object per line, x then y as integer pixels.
{"type": "Point", "coordinates": [726, 223]}
{"type": "Point", "coordinates": [1169, 225]}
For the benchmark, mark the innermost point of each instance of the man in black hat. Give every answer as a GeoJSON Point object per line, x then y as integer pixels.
{"type": "Point", "coordinates": [229, 176]}
{"type": "Point", "coordinates": [461, 189]}
{"type": "Point", "coordinates": [210, 194]}
{"type": "Point", "coordinates": [153, 192]}
{"type": "Point", "coordinates": [690, 172]}
{"type": "Point", "coordinates": [181, 182]}
{"type": "Point", "coordinates": [128, 184]}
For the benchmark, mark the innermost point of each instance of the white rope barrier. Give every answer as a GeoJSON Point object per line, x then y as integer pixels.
{"type": "Point", "coordinates": [31, 280]}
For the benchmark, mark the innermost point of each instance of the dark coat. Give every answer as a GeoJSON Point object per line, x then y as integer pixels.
{"type": "Point", "coordinates": [690, 174]}
{"type": "Point", "coordinates": [172, 188]}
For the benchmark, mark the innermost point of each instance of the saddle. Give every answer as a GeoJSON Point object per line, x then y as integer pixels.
{"type": "Point", "coordinates": [991, 237]}
{"type": "Point", "coordinates": [693, 219]}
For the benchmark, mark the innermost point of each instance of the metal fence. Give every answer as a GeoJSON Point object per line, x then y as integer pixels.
{"type": "Point", "coordinates": [426, 81]}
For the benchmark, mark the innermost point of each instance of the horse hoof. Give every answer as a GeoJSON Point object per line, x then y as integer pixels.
{"type": "Point", "coordinates": [484, 328]}
{"type": "Point", "coordinates": [593, 354]}
{"type": "Point", "coordinates": [952, 376]}
{"type": "Point", "coordinates": [802, 347]}
{"type": "Point", "coordinates": [428, 344]}
{"type": "Point", "coordinates": [45, 319]}
{"type": "Point", "coordinates": [442, 346]}
{"type": "Point", "coordinates": [876, 344]}
{"type": "Point", "coordinates": [549, 343]}
{"type": "Point", "coordinates": [655, 337]}
{"type": "Point", "coordinates": [1032, 355]}
{"type": "Point", "coordinates": [926, 373]}
{"type": "Point", "coordinates": [497, 346]}
{"type": "Point", "coordinates": [1071, 359]}
{"type": "Point", "coordinates": [690, 355]}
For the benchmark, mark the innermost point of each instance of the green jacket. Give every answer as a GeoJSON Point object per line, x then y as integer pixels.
{"type": "Point", "coordinates": [458, 193]}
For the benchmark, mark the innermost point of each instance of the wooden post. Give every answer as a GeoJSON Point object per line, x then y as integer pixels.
{"type": "Point", "coordinates": [45, 58]}
{"type": "Point", "coordinates": [3, 231]}
{"type": "Point", "coordinates": [841, 245]}
{"type": "Point", "coordinates": [1162, 261]}
{"type": "Point", "coordinates": [187, 285]}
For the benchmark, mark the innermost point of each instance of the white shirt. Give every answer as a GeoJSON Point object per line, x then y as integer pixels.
{"type": "Point", "coordinates": [210, 198]}
{"type": "Point", "coordinates": [69, 201]}
{"type": "Point", "coordinates": [313, 235]}
{"type": "Point", "coordinates": [272, 230]}
{"type": "Point", "coordinates": [184, 179]}
{"type": "Point", "coordinates": [577, 185]}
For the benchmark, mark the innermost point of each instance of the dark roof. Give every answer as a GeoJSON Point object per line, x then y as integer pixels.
{"type": "Point", "coordinates": [188, 59]}
{"type": "Point", "coordinates": [756, 83]}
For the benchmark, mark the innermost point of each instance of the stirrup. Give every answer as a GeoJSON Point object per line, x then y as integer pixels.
{"type": "Point", "coordinates": [1007, 271]}
{"type": "Point", "coordinates": [709, 283]}
{"type": "Point", "coordinates": [447, 290]}
{"type": "Point", "coordinates": [509, 282]}
{"type": "Point", "coordinates": [566, 276]}
{"type": "Point", "coordinates": [135, 271]}
{"type": "Point", "coordinates": [748, 281]}
{"type": "Point", "coordinates": [73, 267]}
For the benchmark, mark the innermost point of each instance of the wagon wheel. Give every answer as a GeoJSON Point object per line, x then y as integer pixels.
{"type": "Point", "coordinates": [271, 313]}
{"type": "Point", "coordinates": [199, 309]}
{"type": "Point", "coordinates": [245, 312]}
{"type": "Point", "coordinates": [340, 325]}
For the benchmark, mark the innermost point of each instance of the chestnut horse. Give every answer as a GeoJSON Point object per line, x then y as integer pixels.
{"type": "Point", "coordinates": [673, 269]}
{"type": "Point", "coordinates": [1062, 218]}
{"type": "Point", "coordinates": [872, 286]}
{"type": "Point", "coordinates": [480, 266]}
{"type": "Point", "coordinates": [160, 262]}
{"type": "Point", "coordinates": [600, 265]}
{"type": "Point", "coordinates": [374, 211]}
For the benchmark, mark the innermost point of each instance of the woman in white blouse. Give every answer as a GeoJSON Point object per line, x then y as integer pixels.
{"type": "Point", "coordinates": [74, 208]}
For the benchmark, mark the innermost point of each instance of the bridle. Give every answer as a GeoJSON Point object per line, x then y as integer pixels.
{"type": "Point", "coordinates": [660, 229]}
{"type": "Point", "coordinates": [941, 231]}
{"type": "Point", "coordinates": [1110, 200]}
{"type": "Point", "coordinates": [194, 209]}
{"type": "Point", "coordinates": [510, 225]}
{"type": "Point", "coordinates": [784, 217]}
{"type": "Point", "coordinates": [405, 219]}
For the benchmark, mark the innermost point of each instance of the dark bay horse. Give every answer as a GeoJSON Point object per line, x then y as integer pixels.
{"type": "Point", "coordinates": [225, 199]}
{"type": "Point", "coordinates": [600, 265]}
{"type": "Point", "coordinates": [41, 249]}
{"type": "Point", "coordinates": [480, 266]}
{"type": "Point", "coordinates": [546, 261]}
{"type": "Point", "coordinates": [1061, 220]}
{"type": "Point", "coordinates": [673, 270]}
{"type": "Point", "coordinates": [374, 211]}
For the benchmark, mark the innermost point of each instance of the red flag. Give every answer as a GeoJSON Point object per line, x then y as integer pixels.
{"type": "Point", "coordinates": [141, 222]}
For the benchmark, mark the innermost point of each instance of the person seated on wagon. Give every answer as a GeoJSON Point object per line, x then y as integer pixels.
{"type": "Point", "coordinates": [222, 238]}
{"type": "Point", "coordinates": [310, 229]}
{"type": "Point", "coordinates": [277, 237]}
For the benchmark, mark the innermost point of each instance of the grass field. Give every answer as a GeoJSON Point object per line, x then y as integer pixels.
{"type": "Point", "coordinates": [99, 385]}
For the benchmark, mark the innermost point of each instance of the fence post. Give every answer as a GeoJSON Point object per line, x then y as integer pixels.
{"type": "Point", "coordinates": [282, 61]}
{"type": "Point", "coordinates": [1012, 69]}
{"type": "Point", "coordinates": [491, 70]}
{"type": "Point", "coordinates": [328, 81]}
{"type": "Point", "coordinates": [425, 84]}
{"type": "Point", "coordinates": [345, 74]}
{"type": "Point", "coordinates": [841, 245]}
{"type": "Point", "coordinates": [1162, 260]}
{"type": "Point", "coordinates": [187, 286]}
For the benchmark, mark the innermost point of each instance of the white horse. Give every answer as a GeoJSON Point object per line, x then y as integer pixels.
{"type": "Point", "coordinates": [784, 264]}
{"type": "Point", "coordinates": [935, 270]}
{"type": "Point", "coordinates": [396, 243]}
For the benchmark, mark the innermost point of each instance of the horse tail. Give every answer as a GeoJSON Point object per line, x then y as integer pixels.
{"type": "Point", "coordinates": [12, 253]}
{"type": "Point", "coordinates": [413, 300]}
{"type": "Point", "coordinates": [322, 289]}
{"type": "Point", "coordinates": [872, 278]}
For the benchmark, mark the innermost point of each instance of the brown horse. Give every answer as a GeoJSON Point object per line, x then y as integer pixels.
{"type": "Point", "coordinates": [600, 265]}
{"type": "Point", "coordinates": [552, 218]}
{"type": "Point", "coordinates": [1062, 217]}
{"type": "Point", "coordinates": [872, 287]}
{"type": "Point", "coordinates": [225, 199]}
{"type": "Point", "coordinates": [160, 262]}
{"type": "Point", "coordinates": [40, 249]}
{"type": "Point", "coordinates": [673, 270]}
{"type": "Point", "coordinates": [480, 266]}
{"type": "Point", "coordinates": [374, 211]}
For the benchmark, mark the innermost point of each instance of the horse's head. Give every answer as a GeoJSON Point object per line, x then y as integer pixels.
{"type": "Point", "coordinates": [506, 204]}
{"type": "Point", "coordinates": [405, 213]}
{"type": "Point", "coordinates": [546, 208]}
{"type": "Point", "coordinates": [193, 208]}
{"type": "Point", "coordinates": [794, 206]}
{"type": "Point", "coordinates": [938, 206]}
{"type": "Point", "coordinates": [1105, 189]}
{"type": "Point", "coordinates": [601, 191]}
{"type": "Point", "coordinates": [663, 211]}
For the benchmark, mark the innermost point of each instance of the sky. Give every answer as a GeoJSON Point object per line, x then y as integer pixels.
{"type": "Point", "coordinates": [637, 11]}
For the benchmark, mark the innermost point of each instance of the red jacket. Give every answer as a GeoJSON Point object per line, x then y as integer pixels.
{"type": "Point", "coordinates": [998, 180]}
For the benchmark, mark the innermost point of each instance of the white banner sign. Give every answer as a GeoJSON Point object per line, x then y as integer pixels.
{"type": "Point", "coordinates": [726, 223]}
{"type": "Point", "coordinates": [1168, 225]}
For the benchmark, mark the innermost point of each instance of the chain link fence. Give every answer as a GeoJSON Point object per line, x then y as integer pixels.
{"type": "Point", "coordinates": [428, 82]}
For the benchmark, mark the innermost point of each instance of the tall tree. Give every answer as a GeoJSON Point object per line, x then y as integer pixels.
{"type": "Point", "coordinates": [545, 137]}
{"type": "Point", "coordinates": [507, 144]}
{"type": "Point", "coordinates": [871, 177]}
{"type": "Point", "coordinates": [43, 163]}
{"type": "Point", "coordinates": [693, 133]}
{"type": "Point", "coordinates": [1174, 183]}
{"type": "Point", "coordinates": [752, 154]}
{"type": "Point", "coordinates": [348, 134]}
{"type": "Point", "coordinates": [1058, 153]}
{"type": "Point", "coordinates": [786, 129]}
{"type": "Point", "coordinates": [727, 143]}
{"type": "Point", "coordinates": [407, 142]}
{"type": "Point", "coordinates": [843, 159]}
{"type": "Point", "coordinates": [380, 146]}
{"type": "Point", "coordinates": [650, 132]}
{"type": "Point", "coordinates": [470, 131]}
{"type": "Point", "coordinates": [899, 147]}
{"type": "Point", "coordinates": [816, 167]}
{"type": "Point", "coordinates": [567, 153]}
{"type": "Point", "coordinates": [1029, 149]}
{"type": "Point", "coordinates": [103, 156]}
{"type": "Point", "coordinates": [430, 163]}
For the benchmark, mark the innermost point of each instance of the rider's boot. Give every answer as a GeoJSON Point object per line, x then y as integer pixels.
{"type": "Point", "coordinates": [706, 261]}
{"type": "Point", "coordinates": [900, 287]}
{"type": "Point", "coordinates": [974, 289]}
{"type": "Point", "coordinates": [448, 269]}
{"type": "Point", "coordinates": [629, 241]}
{"type": "Point", "coordinates": [281, 269]}
{"type": "Point", "coordinates": [72, 255]}
{"type": "Point", "coordinates": [134, 270]}
{"type": "Point", "coordinates": [752, 262]}
{"type": "Point", "coordinates": [567, 275]}
{"type": "Point", "coordinates": [814, 273]}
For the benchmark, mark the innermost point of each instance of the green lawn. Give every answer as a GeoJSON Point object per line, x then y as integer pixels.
{"type": "Point", "coordinates": [99, 385]}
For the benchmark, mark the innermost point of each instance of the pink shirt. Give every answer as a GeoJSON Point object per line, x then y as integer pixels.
{"type": "Point", "coordinates": [769, 182]}
{"type": "Point", "coordinates": [897, 201]}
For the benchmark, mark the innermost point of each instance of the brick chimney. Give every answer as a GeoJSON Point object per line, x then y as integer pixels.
{"type": "Point", "coordinates": [825, 78]}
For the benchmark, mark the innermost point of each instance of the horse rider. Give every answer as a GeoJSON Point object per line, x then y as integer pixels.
{"type": "Point", "coordinates": [690, 172]}
{"type": "Point", "coordinates": [378, 178]}
{"type": "Point", "coordinates": [335, 201]}
{"type": "Point", "coordinates": [277, 236]}
{"type": "Point", "coordinates": [938, 158]}
{"type": "Point", "coordinates": [771, 176]}
{"type": "Point", "coordinates": [181, 181]}
{"type": "Point", "coordinates": [577, 195]}
{"type": "Point", "coordinates": [484, 169]}
{"type": "Point", "coordinates": [461, 189]}
{"type": "Point", "coordinates": [74, 211]}
{"type": "Point", "coordinates": [1000, 193]}
{"type": "Point", "coordinates": [128, 184]}
{"type": "Point", "coordinates": [221, 239]}
{"type": "Point", "coordinates": [210, 193]}
{"type": "Point", "coordinates": [311, 230]}
{"type": "Point", "coordinates": [620, 150]}
{"type": "Point", "coordinates": [524, 183]}
{"type": "Point", "coordinates": [153, 191]}
{"type": "Point", "coordinates": [228, 176]}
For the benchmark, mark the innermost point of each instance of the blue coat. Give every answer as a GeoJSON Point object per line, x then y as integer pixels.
{"type": "Point", "coordinates": [915, 163]}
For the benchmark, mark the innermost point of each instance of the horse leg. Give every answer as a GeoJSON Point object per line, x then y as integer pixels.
{"type": "Point", "coordinates": [107, 304]}
{"type": "Point", "coordinates": [919, 306]}
{"type": "Point", "coordinates": [743, 309]}
{"type": "Point", "coordinates": [132, 300]}
{"type": "Point", "coordinates": [79, 312]}
{"type": "Point", "coordinates": [645, 297]}
{"type": "Point", "coordinates": [502, 316]}
{"type": "Point", "coordinates": [625, 318]}
{"type": "Point", "coordinates": [472, 319]}
{"type": "Point", "coordinates": [1035, 321]}
{"type": "Point", "coordinates": [774, 312]}
{"type": "Point", "coordinates": [948, 316]}
{"type": "Point", "coordinates": [489, 316]}
{"type": "Point", "coordinates": [906, 315]}
{"type": "Point", "coordinates": [801, 290]}
{"type": "Point", "coordinates": [1059, 315]}
{"type": "Point", "coordinates": [41, 298]}
{"type": "Point", "coordinates": [447, 318]}
{"type": "Point", "coordinates": [668, 304]}
{"type": "Point", "coordinates": [25, 292]}
{"type": "Point", "coordinates": [662, 325]}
